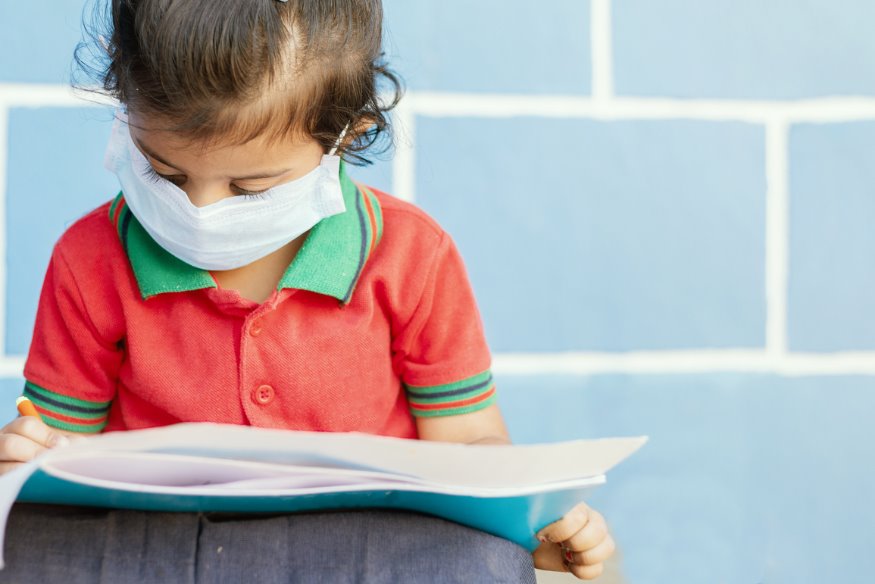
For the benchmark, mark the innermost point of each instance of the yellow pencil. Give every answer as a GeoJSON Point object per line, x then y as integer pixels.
{"type": "Point", "coordinates": [26, 407]}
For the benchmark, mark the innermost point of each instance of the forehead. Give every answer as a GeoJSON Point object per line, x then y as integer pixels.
{"type": "Point", "coordinates": [153, 128]}
{"type": "Point", "coordinates": [186, 152]}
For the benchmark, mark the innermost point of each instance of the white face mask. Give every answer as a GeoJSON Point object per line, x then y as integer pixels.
{"type": "Point", "coordinates": [229, 233]}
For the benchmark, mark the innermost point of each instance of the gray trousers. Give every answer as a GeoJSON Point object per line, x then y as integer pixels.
{"type": "Point", "coordinates": [53, 543]}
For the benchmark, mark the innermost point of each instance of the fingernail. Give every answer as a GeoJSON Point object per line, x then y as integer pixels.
{"type": "Point", "coordinates": [569, 557]}
{"type": "Point", "coordinates": [541, 538]}
{"type": "Point", "coordinates": [567, 564]}
{"type": "Point", "coordinates": [58, 440]}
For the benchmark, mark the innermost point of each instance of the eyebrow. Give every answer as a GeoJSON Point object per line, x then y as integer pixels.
{"type": "Point", "coordinates": [151, 154]}
{"type": "Point", "coordinates": [269, 174]}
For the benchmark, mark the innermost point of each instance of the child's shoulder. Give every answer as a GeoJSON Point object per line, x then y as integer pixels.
{"type": "Point", "coordinates": [91, 236]}
{"type": "Point", "coordinates": [403, 219]}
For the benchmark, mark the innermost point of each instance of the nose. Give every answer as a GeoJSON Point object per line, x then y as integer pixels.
{"type": "Point", "coordinates": [205, 193]}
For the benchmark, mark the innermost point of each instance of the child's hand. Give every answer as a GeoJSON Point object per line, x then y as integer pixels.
{"type": "Point", "coordinates": [577, 543]}
{"type": "Point", "coordinates": [24, 438]}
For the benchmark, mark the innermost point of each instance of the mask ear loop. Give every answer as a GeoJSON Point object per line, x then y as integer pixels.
{"type": "Point", "coordinates": [339, 140]}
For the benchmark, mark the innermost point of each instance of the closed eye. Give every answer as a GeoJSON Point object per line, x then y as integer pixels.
{"type": "Point", "coordinates": [155, 176]}
{"type": "Point", "coordinates": [179, 180]}
{"type": "Point", "coordinates": [248, 194]}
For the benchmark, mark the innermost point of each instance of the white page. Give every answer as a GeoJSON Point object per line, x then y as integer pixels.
{"type": "Point", "coordinates": [183, 476]}
{"type": "Point", "coordinates": [124, 469]}
{"type": "Point", "coordinates": [436, 462]}
{"type": "Point", "coordinates": [10, 485]}
{"type": "Point", "coordinates": [287, 486]}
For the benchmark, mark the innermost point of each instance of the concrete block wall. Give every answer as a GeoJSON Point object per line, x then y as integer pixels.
{"type": "Point", "coordinates": [667, 214]}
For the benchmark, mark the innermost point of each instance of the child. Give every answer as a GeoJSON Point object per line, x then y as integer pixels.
{"type": "Point", "coordinates": [241, 276]}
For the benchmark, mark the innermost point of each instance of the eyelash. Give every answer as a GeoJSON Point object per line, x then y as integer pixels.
{"type": "Point", "coordinates": [154, 176]}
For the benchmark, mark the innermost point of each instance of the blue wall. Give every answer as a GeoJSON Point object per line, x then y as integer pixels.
{"type": "Point", "coordinates": [608, 231]}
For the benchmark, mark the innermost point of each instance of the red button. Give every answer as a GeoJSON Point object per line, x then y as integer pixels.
{"type": "Point", "coordinates": [255, 328]}
{"type": "Point", "coordinates": [263, 395]}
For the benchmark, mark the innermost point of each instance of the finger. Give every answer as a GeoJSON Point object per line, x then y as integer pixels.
{"type": "Point", "coordinates": [36, 430]}
{"type": "Point", "coordinates": [548, 556]}
{"type": "Point", "coordinates": [592, 534]}
{"type": "Point", "coordinates": [596, 555]}
{"type": "Point", "coordinates": [571, 523]}
{"type": "Point", "coordinates": [587, 572]}
{"type": "Point", "coordinates": [6, 467]}
{"type": "Point", "coordinates": [17, 448]}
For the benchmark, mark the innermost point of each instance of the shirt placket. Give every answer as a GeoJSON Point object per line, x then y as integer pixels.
{"type": "Point", "coordinates": [259, 386]}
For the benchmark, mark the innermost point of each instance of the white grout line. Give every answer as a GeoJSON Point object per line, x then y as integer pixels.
{"type": "Point", "coordinates": [4, 153]}
{"type": "Point", "coordinates": [45, 95]}
{"type": "Point", "coordinates": [11, 366]}
{"type": "Point", "coordinates": [777, 236]}
{"type": "Point", "coordinates": [685, 362]}
{"type": "Point", "coordinates": [404, 162]}
{"type": "Point", "coordinates": [820, 110]}
{"type": "Point", "coordinates": [817, 110]}
{"type": "Point", "coordinates": [602, 58]}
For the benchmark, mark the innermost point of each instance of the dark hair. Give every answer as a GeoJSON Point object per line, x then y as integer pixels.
{"type": "Point", "coordinates": [230, 70]}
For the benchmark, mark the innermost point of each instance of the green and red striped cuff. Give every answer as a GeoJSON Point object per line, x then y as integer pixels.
{"type": "Point", "coordinates": [67, 413]}
{"type": "Point", "coordinates": [460, 397]}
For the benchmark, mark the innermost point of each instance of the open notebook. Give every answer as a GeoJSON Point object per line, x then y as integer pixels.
{"type": "Point", "coordinates": [510, 491]}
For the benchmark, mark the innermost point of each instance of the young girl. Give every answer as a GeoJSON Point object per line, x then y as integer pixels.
{"type": "Point", "coordinates": [242, 277]}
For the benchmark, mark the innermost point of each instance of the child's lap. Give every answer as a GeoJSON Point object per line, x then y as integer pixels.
{"type": "Point", "coordinates": [78, 544]}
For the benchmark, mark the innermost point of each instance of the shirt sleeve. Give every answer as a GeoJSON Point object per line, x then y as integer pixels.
{"type": "Point", "coordinates": [444, 358]}
{"type": "Point", "coordinates": [71, 368]}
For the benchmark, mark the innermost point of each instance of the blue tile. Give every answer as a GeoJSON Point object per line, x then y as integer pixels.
{"type": "Point", "coordinates": [55, 175]}
{"type": "Point", "coordinates": [490, 45]}
{"type": "Point", "coordinates": [583, 235]}
{"type": "Point", "coordinates": [378, 175]}
{"type": "Point", "coordinates": [10, 388]}
{"type": "Point", "coordinates": [39, 40]}
{"type": "Point", "coordinates": [746, 478]}
{"type": "Point", "coordinates": [744, 48]}
{"type": "Point", "coordinates": [832, 241]}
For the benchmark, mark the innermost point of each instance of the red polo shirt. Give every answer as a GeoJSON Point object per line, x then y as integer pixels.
{"type": "Point", "coordinates": [373, 322]}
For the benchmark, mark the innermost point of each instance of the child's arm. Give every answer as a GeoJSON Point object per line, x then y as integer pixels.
{"type": "Point", "coordinates": [484, 426]}
{"type": "Point", "coordinates": [72, 365]}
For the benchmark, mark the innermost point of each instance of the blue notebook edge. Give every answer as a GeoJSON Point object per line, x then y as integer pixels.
{"type": "Point", "coordinates": [515, 518]}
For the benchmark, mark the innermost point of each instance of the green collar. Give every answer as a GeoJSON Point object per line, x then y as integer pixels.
{"type": "Point", "coordinates": [329, 262]}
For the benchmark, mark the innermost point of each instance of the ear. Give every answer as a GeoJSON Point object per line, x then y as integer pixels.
{"type": "Point", "coordinates": [357, 128]}
{"type": "Point", "coordinates": [363, 124]}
